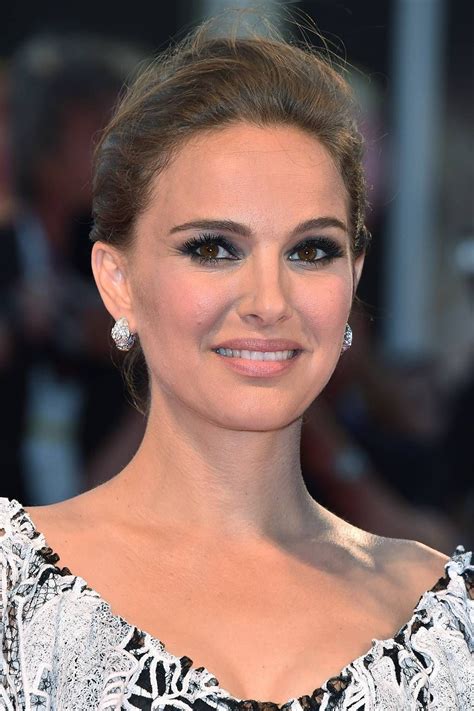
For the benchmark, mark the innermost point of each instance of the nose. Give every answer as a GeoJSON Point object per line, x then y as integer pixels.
{"type": "Point", "coordinates": [266, 290]}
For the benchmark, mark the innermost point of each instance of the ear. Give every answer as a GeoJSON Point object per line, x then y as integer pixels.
{"type": "Point", "coordinates": [109, 267]}
{"type": "Point", "coordinates": [357, 270]}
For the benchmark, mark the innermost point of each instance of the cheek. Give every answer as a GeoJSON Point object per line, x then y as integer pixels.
{"type": "Point", "coordinates": [181, 313]}
{"type": "Point", "coordinates": [178, 322]}
{"type": "Point", "coordinates": [198, 306]}
{"type": "Point", "coordinates": [180, 308]}
{"type": "Point", "coordinates": [325, 305]}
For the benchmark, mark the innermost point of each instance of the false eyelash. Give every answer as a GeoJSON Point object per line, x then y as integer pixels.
{"type": "Point", "coordinates": [191, 245]}
{"type": "Point", "coordinates": [332, 248]}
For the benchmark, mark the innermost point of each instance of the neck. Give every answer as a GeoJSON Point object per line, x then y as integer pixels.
{"type": "Point", "coordinates": [191, 472]}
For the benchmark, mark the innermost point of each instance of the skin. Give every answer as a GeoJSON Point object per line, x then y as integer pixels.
{"type": "Point", "coordinates": [266, 588]}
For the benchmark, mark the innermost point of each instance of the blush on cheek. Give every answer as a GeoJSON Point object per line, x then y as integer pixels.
{"type": "Point", "coordinates": [208, 311]}
{"type": "Point", "coordinates": [326, 309]}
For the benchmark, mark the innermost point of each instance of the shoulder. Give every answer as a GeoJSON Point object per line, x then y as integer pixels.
{"type": "Point", "coordinates": [441, 589]}
{"type": "Point", "coordinates": [78, 532]}
{"type": "Point", "coordinates": [23, 546]}
{"type": "Point", "coordinates": [399, 568]}
{"type": "Point", "coordinates": [442, 631]}
{"type": "Point", "coordinates": [47, 613]}
{"type": "Point", "coordinates": [70, 524]}
{"type": "Point", "coordinates": [434, 581]}
{"type": "Point", "coordinates": [457, 570]}
{"type": "Point", "coordinates": [418, 565]}
{"type": "Point", "coordinates": [29, 567]}
{"type": "Point", "coordinates": [410, 564]}
{"type": "Point", "coordinates": [413, 564]}
{"type": "Point", "coordinates": [431, 654]}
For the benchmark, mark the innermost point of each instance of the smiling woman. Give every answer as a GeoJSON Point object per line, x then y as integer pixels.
{"type": "Point", "coordinates": [244, 267]}
{"type": "Point", "coordinates": [197, 91]}
{"type": "Point", "coordinates": [229, 241]}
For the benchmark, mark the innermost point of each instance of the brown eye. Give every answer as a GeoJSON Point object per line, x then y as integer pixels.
{"type": "Point", "coordinates": [308, 253]}
{"type": "Point", "coordinates": [316, 252]}
{"type": "Point", "coordinates": [209, 251]}
{"type": "Point", "coordinates": [206, 249]}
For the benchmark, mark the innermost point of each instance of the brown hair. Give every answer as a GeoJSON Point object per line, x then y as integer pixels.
{"type": "Point", "coordinates": [208, 82]}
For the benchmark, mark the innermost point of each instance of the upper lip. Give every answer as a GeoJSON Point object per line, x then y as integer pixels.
{"type": "Point", "coordinates": [258, 344]}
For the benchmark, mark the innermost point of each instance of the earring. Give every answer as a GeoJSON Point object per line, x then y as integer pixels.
{"type": "Point", "coordinates": [124, 340]}
{"type": "Point", "coordinates": [347, 342]}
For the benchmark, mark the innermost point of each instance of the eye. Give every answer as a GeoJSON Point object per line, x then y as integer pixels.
{"type": "Point", "coordinates": [206, 248]}
{"type": "Point", "coordinates": [209, 248]}
{"type": "Point", "coordinates": [317, 250]}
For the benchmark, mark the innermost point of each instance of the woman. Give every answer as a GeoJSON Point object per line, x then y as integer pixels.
{"type": "Point", "coordinates": [229, 223]}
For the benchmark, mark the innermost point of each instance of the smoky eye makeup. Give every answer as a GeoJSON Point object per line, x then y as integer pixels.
{"type": "Point", "coordinates": [209, 242]}
{"type": "Point", "coordinates": [314, 251]}
{"type": "Point", "coordinates": [327, 248]}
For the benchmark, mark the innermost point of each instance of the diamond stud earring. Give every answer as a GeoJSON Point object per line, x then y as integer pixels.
{"type": "Point", "coordinates": [124, 339]}
{"type": "Point", "coordinates": [347, 342]}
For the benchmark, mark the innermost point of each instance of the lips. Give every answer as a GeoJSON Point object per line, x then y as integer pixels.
{"type": "Point", "coordinates": [259, 344]}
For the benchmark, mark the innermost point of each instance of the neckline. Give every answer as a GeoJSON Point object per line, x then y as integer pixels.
{"type": "Point", "coordinates": [331, 686]}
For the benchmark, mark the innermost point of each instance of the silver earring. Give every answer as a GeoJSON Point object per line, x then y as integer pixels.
{"type": "Point", "coordinates": [124, 340]}
{"type": "Point", "coordinates": [347, 342]}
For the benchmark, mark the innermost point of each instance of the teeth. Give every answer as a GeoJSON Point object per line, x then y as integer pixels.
{"type": "Point", "coordinates": [256, 355]}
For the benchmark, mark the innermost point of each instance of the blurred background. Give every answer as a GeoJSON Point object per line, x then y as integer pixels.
{"type": "Point", "coordinates": [389, 444]}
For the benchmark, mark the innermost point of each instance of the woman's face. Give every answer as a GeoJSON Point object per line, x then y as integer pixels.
{"type": "Point", "coordinates": [262, 185]}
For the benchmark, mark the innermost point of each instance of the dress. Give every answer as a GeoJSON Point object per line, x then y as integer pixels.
{"type": "Point", "coordinates": [64, 650]}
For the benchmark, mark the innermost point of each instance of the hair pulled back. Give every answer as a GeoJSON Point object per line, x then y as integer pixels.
{"type": "Point", "coordinates": [206, 83]}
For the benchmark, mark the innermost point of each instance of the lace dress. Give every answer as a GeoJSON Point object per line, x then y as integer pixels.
{"type": "Point", "coordinates": [64, 650]}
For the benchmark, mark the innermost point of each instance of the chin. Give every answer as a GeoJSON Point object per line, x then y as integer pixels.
{"type": "Point", "coordinates": [265, 420]}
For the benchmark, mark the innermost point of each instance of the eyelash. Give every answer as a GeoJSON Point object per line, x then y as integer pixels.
{"type": "Point", "coordinates": [333, 249]}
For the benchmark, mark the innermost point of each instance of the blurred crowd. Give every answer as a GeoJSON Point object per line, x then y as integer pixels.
{"type": "Point", "coordinates": [62, 395]}
{"type": "Point", "coordinates": [387, 447]}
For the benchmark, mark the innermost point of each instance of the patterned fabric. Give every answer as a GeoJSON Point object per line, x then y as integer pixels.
{"type": "Point", "coordinates": [63, 649]}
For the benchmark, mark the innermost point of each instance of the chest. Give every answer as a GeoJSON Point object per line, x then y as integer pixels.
{"type": "Point", "coordinates": [267, 629]}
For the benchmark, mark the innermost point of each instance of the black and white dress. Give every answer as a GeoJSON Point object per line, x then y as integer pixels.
{"type": "Point", "coordinates": [62, 649]}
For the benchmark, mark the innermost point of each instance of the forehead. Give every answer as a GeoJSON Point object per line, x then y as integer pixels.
{"type": "Point", "coordinates": [272, 173]}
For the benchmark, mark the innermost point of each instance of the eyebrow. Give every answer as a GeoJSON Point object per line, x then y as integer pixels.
{"type": "Point", "coordinates": [316, 223]}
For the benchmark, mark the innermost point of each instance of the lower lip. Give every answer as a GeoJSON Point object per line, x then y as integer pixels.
{"type": "Point", "coordinates": [259, 368]}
